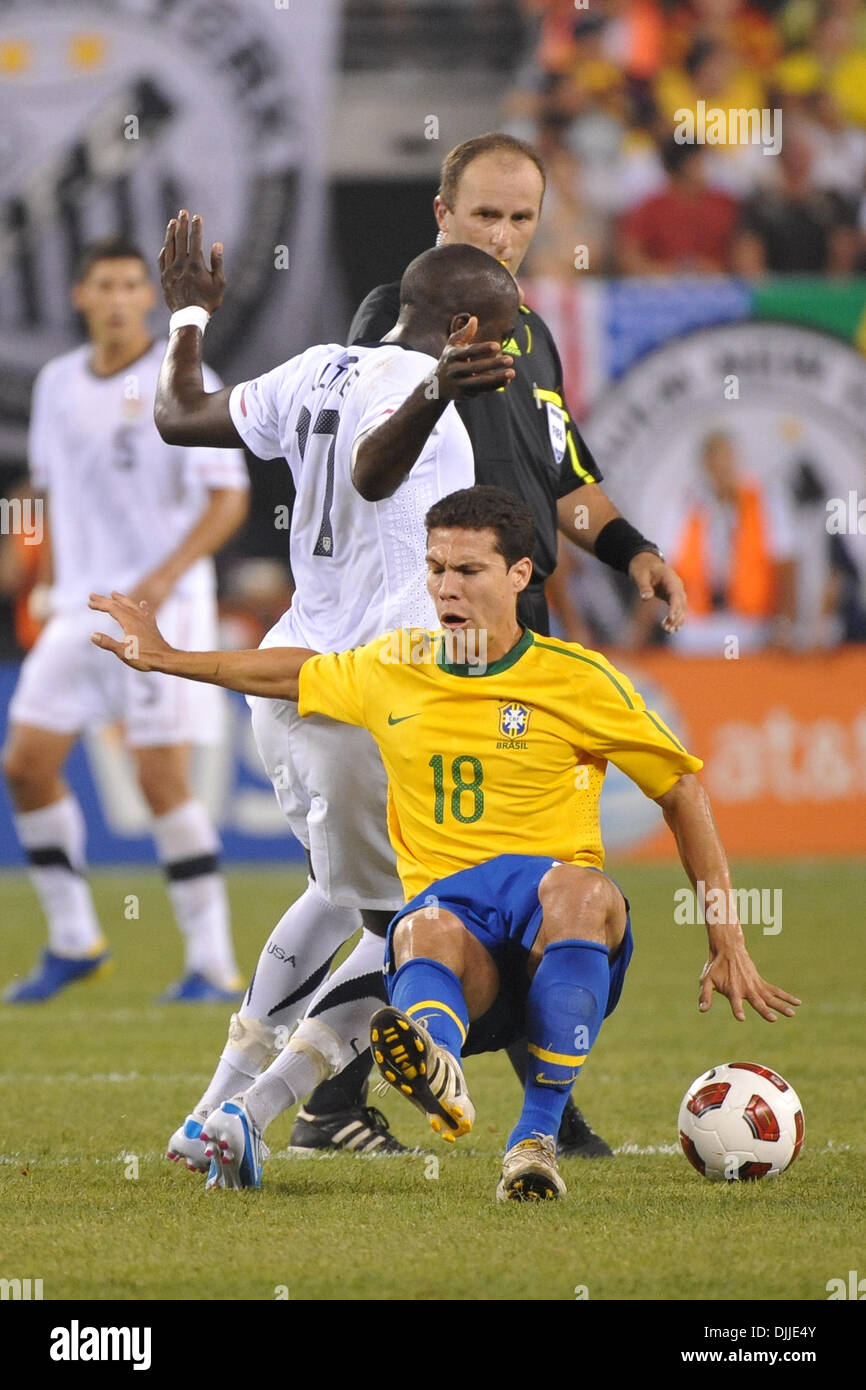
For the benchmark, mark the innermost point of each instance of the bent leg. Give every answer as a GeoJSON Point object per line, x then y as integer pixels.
{"type": "Point", "coordinates": [583, 925]}
{"type": "Point", "coordinates": [292, 966]}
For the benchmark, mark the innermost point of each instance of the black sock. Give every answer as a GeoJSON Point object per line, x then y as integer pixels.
{"type": "Point", "coordinates": [345, 1091]}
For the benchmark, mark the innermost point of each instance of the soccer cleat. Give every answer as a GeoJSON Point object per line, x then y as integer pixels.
{"type": "Point", "coordinates": [576, 1139]}
{"type": "Point", "coordinates": [362, 1129]}
{"type": "Point", "coordinates": [186, 1145]}
{"type": "Point", "coordinates": [53, 973]}
{"type": "Point", "coordinates": [234, 1146]}
{"type": "Point", "coordinates": [194, 988]}
{"type": "Point", "coordinates": [529, 1172]}
{"type": "Point", "coordinates": [424, 1072]}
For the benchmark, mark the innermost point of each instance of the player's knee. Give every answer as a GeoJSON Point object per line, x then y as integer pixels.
{"type": "Point", "coordinates": [22, 772]}
{"type": "Point", "coordinates": [164, 789]}
{"type": "Point", "coordinates": [575, 901]}
{"type": "Point", "coordinates": [427, 933]}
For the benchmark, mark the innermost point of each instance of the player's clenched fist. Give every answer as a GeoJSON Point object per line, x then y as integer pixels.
{"type": "Point", "coordinates": [142, 643]}
{"type": "Point", "coordinates": [467, 368]}
{"type": "Point", "coordinates": [186, 280]}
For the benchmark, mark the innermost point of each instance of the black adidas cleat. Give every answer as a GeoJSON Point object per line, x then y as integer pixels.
{"type": "Point", "coordinates": [422, 1071]}
{"type": "Point", "coordinates": [576, 1139]}
{"type": "Point", "coordinates": [362, 1129]}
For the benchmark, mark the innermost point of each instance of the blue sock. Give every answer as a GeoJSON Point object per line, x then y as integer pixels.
{"type": "Point", "coordinates": [564, 1011]}
{"type": "Point", "coordinates": [429, 991]}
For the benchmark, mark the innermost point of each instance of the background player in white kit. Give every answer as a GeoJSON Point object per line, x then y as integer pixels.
{"type": "Point", "coordinates": [124, 508]}
{"type": "Point", "coordinates": [358, 565]}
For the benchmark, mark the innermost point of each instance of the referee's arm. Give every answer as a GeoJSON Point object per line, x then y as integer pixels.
{"type": "Point", "coordinates": [586, 515]}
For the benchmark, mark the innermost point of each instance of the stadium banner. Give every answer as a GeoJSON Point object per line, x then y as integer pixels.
{"type": "Point", "coordinates": [783, 739]}
{"type": "Point", "coordinates": [229, 778]}
{"type": "Point", "coordinates": [116, 113]}
{"type": "Point", "coordinates": [604, 327]}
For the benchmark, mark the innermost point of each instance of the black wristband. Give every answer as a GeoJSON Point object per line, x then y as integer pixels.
{"type": "Point", "coordinates": [618, 542]}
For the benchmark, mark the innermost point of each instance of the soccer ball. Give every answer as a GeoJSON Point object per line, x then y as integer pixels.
{"type": "Point", "coordinates": [741, 1121]}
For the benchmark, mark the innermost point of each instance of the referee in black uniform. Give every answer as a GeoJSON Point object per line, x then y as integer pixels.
{"type": "Point", "coordinates": [524, 440]}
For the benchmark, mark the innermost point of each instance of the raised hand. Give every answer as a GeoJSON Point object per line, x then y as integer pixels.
{"type": "Point", "coordinates": [186, 280]}
{"type": "Point", "coordinates": [467, 368]}
{"type": "Point", "coordinates": [142, 643]}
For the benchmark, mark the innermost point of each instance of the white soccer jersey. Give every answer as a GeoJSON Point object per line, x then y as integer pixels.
{"type": "Point", "coordinates": [358, 566]}
{"type": "Point", "coordinates": [120, 499]}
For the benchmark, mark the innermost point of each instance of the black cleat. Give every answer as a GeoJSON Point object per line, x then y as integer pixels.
{"type": "Point", "coordinates": [362, 1130]}
{"type": "Point", "coordinates": [576, 1139]}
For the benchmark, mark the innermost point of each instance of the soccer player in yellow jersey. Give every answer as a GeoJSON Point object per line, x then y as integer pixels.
{"type": "Point", "coordinates": [484, 758]}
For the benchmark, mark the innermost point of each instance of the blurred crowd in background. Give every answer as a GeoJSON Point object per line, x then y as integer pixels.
{"type": "Point", "coordinates": [599, 93]}
{"type": "Point", "coordinates": [595, 87]}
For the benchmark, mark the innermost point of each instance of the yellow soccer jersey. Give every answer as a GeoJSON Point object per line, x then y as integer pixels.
{"type": "Point", "coordinates": [510, 761]}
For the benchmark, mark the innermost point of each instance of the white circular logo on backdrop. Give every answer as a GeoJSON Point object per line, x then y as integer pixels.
{"type": "Point", "coordinates": [786, 394]}
{"type": "Point", "coordinates": [117, 113]}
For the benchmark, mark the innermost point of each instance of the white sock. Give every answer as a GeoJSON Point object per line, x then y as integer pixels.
{"type": "Point", "coordinates": [313, 1054]}
{"type": "Point", "coordinates": [188, 848]}
{"type": "Point", "coordinates": [296, 958]}
{"type": "Point", "coordinates": [338, 1017]}
{"type": "Point", "coordinates": [293, 963]}
{"type": "Point", "coordinates": [54, 838]}
{"type": "Point", "coordinates": [228, 1080]}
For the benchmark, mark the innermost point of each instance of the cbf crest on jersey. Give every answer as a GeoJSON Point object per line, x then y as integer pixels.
{"type": "Point", "coordinates": [513, 719]}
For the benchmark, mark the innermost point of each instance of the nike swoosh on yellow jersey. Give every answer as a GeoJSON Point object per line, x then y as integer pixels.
{"type": "Point", "coordinates": [401, 717]}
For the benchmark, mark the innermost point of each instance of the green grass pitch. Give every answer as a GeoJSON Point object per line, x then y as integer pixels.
{"type": "Point", "coordinates": [94, 1082]}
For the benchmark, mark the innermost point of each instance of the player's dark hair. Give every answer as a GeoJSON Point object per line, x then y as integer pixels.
{"type": "Point", "coordinates": [112, 248]}
{"type": "Point", "coordinates": [484, 508]}
{"type": "Point", "coordinates": [458, 278]}
{"type": "Point", "coordinates": [458, 160]}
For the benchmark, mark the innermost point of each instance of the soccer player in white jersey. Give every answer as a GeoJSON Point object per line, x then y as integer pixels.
{"type": "Point", "coordinates": [124, 508]}
{"type": "Point", "coordinates": [357, 558]}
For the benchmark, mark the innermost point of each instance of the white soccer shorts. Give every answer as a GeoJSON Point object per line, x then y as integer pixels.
{"type": "Point", "coordinates": [68, 685]}
{"type": "Point", "coordinates": [332, 788]}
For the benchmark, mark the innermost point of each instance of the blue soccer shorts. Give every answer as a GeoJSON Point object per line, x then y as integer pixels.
{"type": "Point", "coordinates": [498, 903]}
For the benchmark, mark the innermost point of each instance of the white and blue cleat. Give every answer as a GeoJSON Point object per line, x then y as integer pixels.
{"type": "Point", "coordinates": [234, 1146]}
{"type": "Point", "coordinates": [194, 988]}
{"type": "Point", "coordinates": [187, 1146]}
{"type": "Point", "coordinates": [54, 973]}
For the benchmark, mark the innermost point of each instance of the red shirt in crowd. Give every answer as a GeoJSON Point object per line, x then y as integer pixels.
{"type": "Point", "coordinates": [682, 230]}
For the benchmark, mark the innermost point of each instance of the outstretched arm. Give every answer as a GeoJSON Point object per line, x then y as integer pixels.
{"type": "Point", "coordinates": [183, 411]}
{"type": "Point", "coordinates": [730, 969]}
{"type": "Point", "coordinates": [272, 672]}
